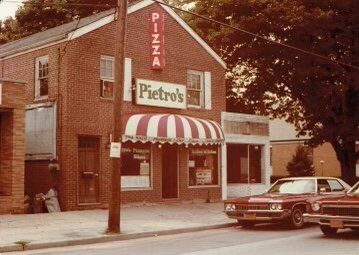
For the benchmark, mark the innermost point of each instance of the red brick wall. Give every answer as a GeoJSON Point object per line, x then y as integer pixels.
{"type": "Point", "coordinates": [12, 147]}
{"type": "Point", "coordinates": [74, 84]}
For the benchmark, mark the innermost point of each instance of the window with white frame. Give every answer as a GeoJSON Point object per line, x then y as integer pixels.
{"type": "Point", "coordinates": [107, 76]}
{"type": "Point", "coordinates": [203, 166]}
{"type": "Point", "coordinates": [42, 77]}
{"type": "Point", "coordinates": [195, 89]}
{"type": "Point", "coordinates": [136, 165]}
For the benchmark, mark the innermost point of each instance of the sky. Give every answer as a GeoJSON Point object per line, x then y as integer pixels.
{"type": "Point", "coordinates": [8, 8]}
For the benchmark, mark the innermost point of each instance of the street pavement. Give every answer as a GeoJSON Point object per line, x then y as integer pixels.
{"type": "Point", "coordinates": [46, 230]}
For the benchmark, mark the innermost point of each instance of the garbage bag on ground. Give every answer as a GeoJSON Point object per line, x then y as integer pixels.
{"type": "Point", "coordinates": [38, 203]}
{"type": "Point", "coordinates": [51, 201]}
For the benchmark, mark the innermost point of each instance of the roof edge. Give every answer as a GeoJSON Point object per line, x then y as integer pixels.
{"type": "Point", "coordinates": [71, 35]}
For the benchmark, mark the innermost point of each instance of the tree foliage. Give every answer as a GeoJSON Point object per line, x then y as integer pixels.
{"type": "Point", "coordinates": [319, 96]}
{"type": "Point", "coordinates": [301, 164]}
{"type": "Point", "coordinates": [39, 15]}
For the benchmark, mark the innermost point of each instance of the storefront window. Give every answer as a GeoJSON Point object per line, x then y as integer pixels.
{"type": "Point", "coordinates": [244, 163]}
{"type": "Point", "coordinates": [203, 166]}
{"type": "Point", "coordinates": [136, 165]}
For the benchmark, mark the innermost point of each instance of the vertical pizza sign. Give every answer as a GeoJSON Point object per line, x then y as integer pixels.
{"type": "Point", "coordinates": [157, 40]}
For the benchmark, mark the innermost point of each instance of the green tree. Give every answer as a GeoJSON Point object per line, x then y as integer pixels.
{"type": "Point", "coordinates": [319, 96]}
{"type": "Point", "coordinates": [301, 163]}
{"type": "Point", "coordinates": [39, 15]}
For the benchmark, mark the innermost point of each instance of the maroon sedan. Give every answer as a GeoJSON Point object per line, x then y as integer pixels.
{"type": "Point", "coordinates": [333, 213]}
{"type": "Point", "coordinates": [284, 201]}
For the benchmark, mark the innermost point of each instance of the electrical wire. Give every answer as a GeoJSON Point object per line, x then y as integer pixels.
{"type": "Point", "coordinates": [57, 4]}
{"type": "Point", "coordinates": [202, 17]}
{"type": "Point", "coordinates": [260, 37]}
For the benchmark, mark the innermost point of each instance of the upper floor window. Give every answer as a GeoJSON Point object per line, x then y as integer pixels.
{"type": "Point", "coordinates": [195, 89]}
{"type": "Point", "coordinates": [42, 77]}
{"type": "Point", "coordinates": [107, 76]}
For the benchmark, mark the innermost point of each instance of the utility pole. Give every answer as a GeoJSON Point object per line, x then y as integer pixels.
{"type": "Point", "coordinates": [120, 35]}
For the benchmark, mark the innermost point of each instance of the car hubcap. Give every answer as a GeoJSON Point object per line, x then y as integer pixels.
{"type": "Point", "coordinates": [297, 217]}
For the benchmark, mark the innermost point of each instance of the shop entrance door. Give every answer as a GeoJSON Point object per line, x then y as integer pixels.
{"type": "Point", "coordinates": [88, 169]}
{"type": "Point", "coordinates": [169, 171]}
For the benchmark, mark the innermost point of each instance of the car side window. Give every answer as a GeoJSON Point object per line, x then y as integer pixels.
{"type": "Point", "coordinates": [335, 185]}
{"type": "Point", "coordinates": [323, 186]}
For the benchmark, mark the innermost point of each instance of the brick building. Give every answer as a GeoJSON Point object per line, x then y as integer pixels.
{"type": "Point", "coordinates": [12, 111]}
{"type": "Point", "coordinates": [284, 141]}
{"type": "Point", "coordinates": [174, 84]}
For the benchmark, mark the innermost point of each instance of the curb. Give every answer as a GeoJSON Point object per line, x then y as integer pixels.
{"type": "Point", "coordinates": [109, 238]}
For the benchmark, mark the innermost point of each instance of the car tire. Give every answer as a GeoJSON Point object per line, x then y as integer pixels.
{"type": "Point", "coordinates": [296, 218]}
{"type": "Point", "coordinates": [246, 224]}
{"type": "Point", "coordinates": [328, 231]}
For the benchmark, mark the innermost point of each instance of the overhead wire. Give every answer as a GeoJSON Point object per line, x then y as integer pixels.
{"type": "Point", "coordinates": [314, 54]}
{"type": "Point", "coordinates": [259, 36]}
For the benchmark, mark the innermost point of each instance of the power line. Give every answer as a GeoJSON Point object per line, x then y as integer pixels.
{"type": "Point", "coordinates": [260, 37]}
{"type": "Point", "coordinates": [57, 4]}
{"type": "Point", "coordinates": [202, 17]}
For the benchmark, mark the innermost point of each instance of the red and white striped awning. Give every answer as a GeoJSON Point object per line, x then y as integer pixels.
{"type": "Point", "coordinates": [170, 128]}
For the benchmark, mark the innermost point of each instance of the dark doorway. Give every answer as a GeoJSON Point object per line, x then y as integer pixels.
{"type": "Point", "coordinates": [88, 169]}
{"type": "Point", "coordinates": [169, 171]}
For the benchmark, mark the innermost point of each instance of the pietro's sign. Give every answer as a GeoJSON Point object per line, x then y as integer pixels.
{"type": "Point", "coordinates": [157, 40]}
{"type": "Point", "coordinates": [161, 94]}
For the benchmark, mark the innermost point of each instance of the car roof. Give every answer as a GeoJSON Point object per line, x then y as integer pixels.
{"type": "Point", "coordinates": [308, 178]}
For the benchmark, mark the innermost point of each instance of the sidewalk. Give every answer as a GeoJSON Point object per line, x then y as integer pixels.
{"type": "Point", "coordinates": [36, 231]}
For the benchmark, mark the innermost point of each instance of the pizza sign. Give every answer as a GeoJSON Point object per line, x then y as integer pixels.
{"type": "Point", "coordinates": [157, 40]}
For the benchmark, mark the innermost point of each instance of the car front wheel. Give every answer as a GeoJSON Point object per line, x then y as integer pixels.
{"type": "Point", "coordinates": [296, 218]}
{"type": "Point", "coordinates": [328, 231]}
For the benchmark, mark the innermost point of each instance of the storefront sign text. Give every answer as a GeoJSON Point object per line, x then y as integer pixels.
{"type": "Point", "coordinates": [161, 94]}
{"type": "Point", "coordinates": [157, 40]}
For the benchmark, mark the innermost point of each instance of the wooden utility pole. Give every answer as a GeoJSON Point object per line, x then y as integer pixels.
{"type": "Point", "coordinates": [120, 35]}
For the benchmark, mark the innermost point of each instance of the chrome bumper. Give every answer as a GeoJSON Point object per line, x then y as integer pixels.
{"type": "Point", "coordinates": [258, 215]}
{"type": "Point", "coordinates": [330, 220]}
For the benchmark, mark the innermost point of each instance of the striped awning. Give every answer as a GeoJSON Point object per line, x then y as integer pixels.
{"type": "Point", "coordinates": [170, 128]}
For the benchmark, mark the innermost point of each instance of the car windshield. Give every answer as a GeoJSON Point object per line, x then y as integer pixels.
{"type": "Point", "coordinates": [299, 186]}
{"type": "Point", "coordinates": [354, 190]}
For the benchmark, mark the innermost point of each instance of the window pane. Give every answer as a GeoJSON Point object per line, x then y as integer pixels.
{"type": "Point", "coordinates": [241, 167]}
{"type": "Point", "coordinates": [44, 88]}
{"type": "Point", "coordinates": [203, 166]}
{"type": "Point", "coordinates": [136, 165]}
{"type": "Point", "coordinates": [194, 89]}
{"type": "Point", "coordinates": [194, 97]}
{"type": "Point", "coordinates": [107, 89]}
{"type": "Point", "coordinates": [103, 68]}
{"type": "Point", "coordinates": [107, 68]}
{"type": "Point", "coordinates": [255, 165]}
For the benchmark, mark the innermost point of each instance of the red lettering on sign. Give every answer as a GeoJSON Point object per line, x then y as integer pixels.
{"type": "Point", "coordinates": [157, 40]}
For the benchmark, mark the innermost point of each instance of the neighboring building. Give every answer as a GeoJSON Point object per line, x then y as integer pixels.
{"type": "Point", "coordinates": [245, 154]}
{"type": "Point", "coordinates": [12, 112]}
{"type": "Point", "coordinates": [174, 93]}
{"type": "Point", "coordinates": [284, 141]}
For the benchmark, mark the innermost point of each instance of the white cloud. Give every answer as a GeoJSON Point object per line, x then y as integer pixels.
{"type": "Point", "coordinates": [8, 9]}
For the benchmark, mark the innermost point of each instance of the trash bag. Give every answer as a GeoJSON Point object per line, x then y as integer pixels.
{"type": "Point", "coordinates": [51, 201]}
{"type": "Point", "coordinates": [38, 203]}
{"type": "Point", "coordinates": [27, 202]}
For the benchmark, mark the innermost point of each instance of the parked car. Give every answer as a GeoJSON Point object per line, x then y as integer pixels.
{"type": "Point", "coordinates": [333, 213]}
{"type": "Point", "coordinates": [284, 201]}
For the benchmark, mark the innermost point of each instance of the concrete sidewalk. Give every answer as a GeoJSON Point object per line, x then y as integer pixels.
{"type": "Point", "coordinates": [35, 231]}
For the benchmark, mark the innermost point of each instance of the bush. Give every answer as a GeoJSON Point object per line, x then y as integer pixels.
{"type": "Point", "coordinates": [301, 164]}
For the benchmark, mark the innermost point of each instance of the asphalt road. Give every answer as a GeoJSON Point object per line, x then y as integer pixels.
{"type": "Point", "coordinates": [265, 239]}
